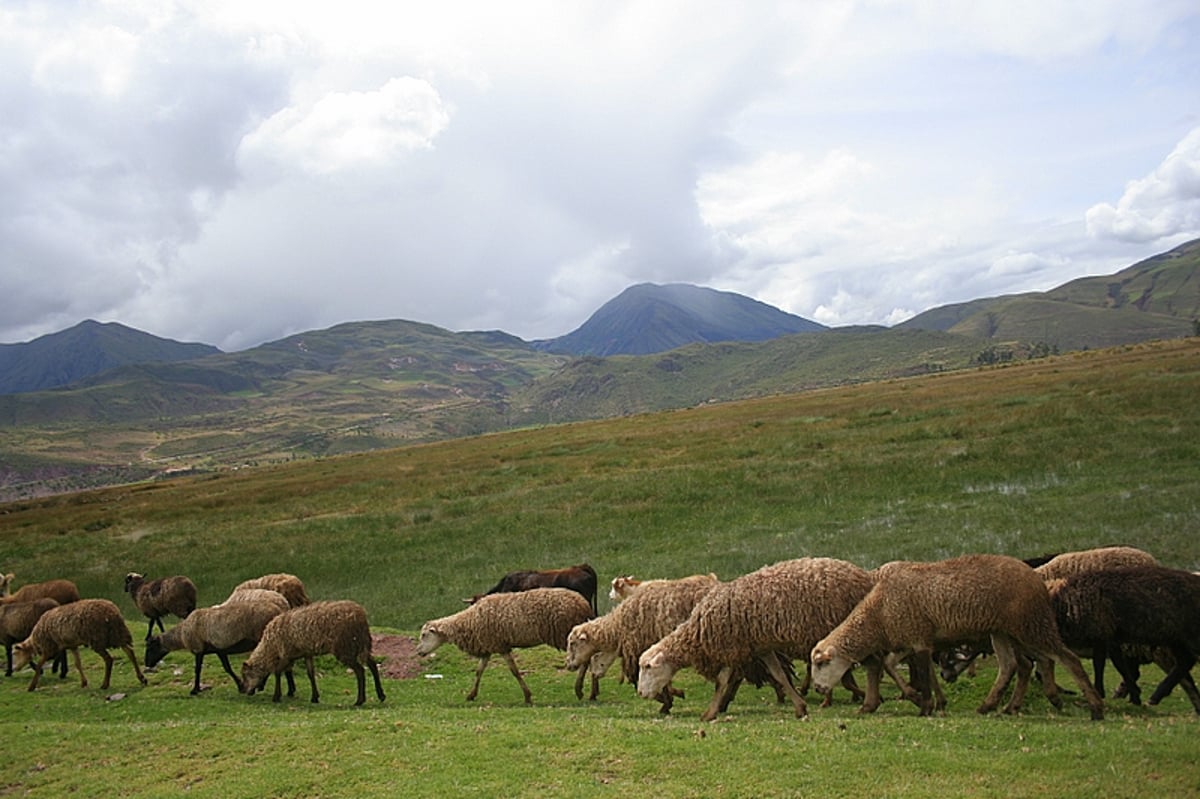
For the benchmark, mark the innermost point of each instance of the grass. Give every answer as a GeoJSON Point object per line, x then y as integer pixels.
{"type": "Point", "coordinates": [1065, 453]}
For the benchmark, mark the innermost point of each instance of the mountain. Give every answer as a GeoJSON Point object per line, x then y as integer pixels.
{"type": "Point", "coordinates": [87, 349]}
{"type": "Point", "coordinates": [1152, 299]}
{"type": "Point", "coordinates": [649, 318]}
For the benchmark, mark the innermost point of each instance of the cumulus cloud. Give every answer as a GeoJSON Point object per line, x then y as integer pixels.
{"type": "Point", "coordinates": [1161, 205]}
{"type": "Point", "coordinates": [345, 130]}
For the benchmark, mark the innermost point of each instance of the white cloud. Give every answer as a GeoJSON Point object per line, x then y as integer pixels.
{"type": "Point", "coordinates": [1164, 204]}
{"type": "Point", "coordinates": [345, 130]}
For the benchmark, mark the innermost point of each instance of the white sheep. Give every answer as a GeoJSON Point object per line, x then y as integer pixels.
{"type": "Point", "coordinates": [781, 609]}
{"type": "Point", "coordinates": [291, 586]}
{"type": "Point", "coordinates": [95, 623]}
{"type": "Point", "coordinates": [499, 623]}
{"type": "Point", "coordinates": [337, 628]}
{"type": "Point", "coordinates": [647, 615]}
{"type": "Point", "coordinates": [157, 598]}
{"type": "Point", "coordinates": [915, 607]}
{"type": "Point", "coordinates": [233, 627]}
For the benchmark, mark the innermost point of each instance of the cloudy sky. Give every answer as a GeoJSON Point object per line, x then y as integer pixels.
{"type": "Point", "coordinates": [234, 171]}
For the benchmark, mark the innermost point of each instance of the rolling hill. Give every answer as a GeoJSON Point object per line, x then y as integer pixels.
{"type": "Point", "coordinates": [84, 350]}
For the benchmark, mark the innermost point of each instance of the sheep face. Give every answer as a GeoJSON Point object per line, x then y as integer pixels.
{"type": "Point", "coordinates": [828, 666]}
{"type": "Point", "coordinates": [622, 587]}
{"type": "Point", "coordinates": [580, 648]}
{"type": "Point", "coordinates": [654, 672]}
{"type": "Point", "coordinates": [24, 653]}
{"type": "Point", "coordinates": [254, 677]}
{"type": "Point", "coordinates": [431, 639]}
{"type": "Point", "coordinates": [132, 580]}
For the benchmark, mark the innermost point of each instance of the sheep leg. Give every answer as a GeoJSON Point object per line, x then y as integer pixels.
{"type": "Point", "coordinates": [1024, 670]}
{"type": "Point", "coordinates": [579, 674]}
{"type": "Point", "coordinates": [310, 665]}
{"type": "Point", "coordinates": [1098, 655]}
{"type": "Point", "coordinates": [360, 677]}
{"type": "Point", "coordinates": [37, 673]}
{"type": "Point", "coordinates": [888, 664]}
{"type": "Point", "coordinates": [483, 661]}
{"type": "Point", "coordinates": [1130, 673]}
{"type": "Point", "coordinates": [1189, 688]}
{"type": "Point", "coordinates": [1007, 662]}
{"type": "Point", "coordinates": [595, 692]}
{"type": "Point", "coordinates": [1184, 660]}
{"type": "Point", "coordinates": [724, 678]}
{"type": "Point", "coordinates": [512, 666]}
{"type": "Point", "coordinates": [108, 664]}
{"type": "Point", "coordinates": [873, 698]}
{"type": "Point", "coordinates": [8, 645]}
{"type": "Point", "coordinates": [136, 668]}
{"type": "Point", "coordinates": [224, 658]}
{"type": "Point", "coordinates": [374, 667]}
{"type": "Point", "coordinates": [775, 669]}
{"type": "Point", "coordinates": [665, 699]}
{"type": "Point", "coordinates": [850, 684]}
{"type": "Point", "coordinates": [727, 696]}
{"type": "Point", "coordinates": [1068, 659]}
{"type": "Point", "coordinates": [59, 665]}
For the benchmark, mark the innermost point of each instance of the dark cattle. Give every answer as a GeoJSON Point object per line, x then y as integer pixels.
{"type": "Point", "coordinates": [581, 579]}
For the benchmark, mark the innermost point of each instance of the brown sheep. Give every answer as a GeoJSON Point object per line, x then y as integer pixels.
{"type": "Point", "coordinates": [337, 628]}
{"type": "Point", "coordinates": [289, 585]}
{"type": "Point", "coordinates": [16, 622]}
{"type": "Point", "coordinates": [915, 607]}
{"type": "Point", "coordinates": [63, 592]}
{"type": "Point", "coordinates": [95, 623]}
{"type": "Point", "coordinates": [230, 628]}
{"type": "Point", "coordinates": [782, 609]}
{"type": "Point", "coordinates": [157, 598]}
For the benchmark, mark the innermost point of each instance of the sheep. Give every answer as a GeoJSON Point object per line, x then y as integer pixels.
{"type": "Point", "coordinates": [232, 627]}
{"type": "Point", "coordinates": [1089, 560]}
{"type": "Point", "coordinates": [157, 598]}
{"type": "Point", "coordinates": [651, 612]}
{"type": "Point", "coordinates": [914, 607]}
{"type": "Point", "coordinates": [16, 622]}
{"type": "Point", "coordinates": [289, 585]}
{"type": "Point", "coordinates": [623, 587]}
{"type": "Point", "coordinates": [783, 609]}
{"type": "Point", "coordinates": [337, 628]}
{"type": "Point", "coordinates": [499, 623]}
{"type": "Point", "coordinates": [1151, 605]}
{"type": "Point", "coordinates": [6, 583]}
{"type": "Point", "coordinates": [63, 592]}
{"type": "Point", "coordinates": [96, 623]}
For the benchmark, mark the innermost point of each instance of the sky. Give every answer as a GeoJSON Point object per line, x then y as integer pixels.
{"type": "Point", "coordinates": [236, 171]}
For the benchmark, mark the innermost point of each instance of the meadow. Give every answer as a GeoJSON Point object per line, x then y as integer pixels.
{"type": "Point", "coordinates": [1069, 452]}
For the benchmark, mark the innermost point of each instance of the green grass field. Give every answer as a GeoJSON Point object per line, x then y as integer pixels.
{"type": "Point", "coordinates": [1065, 453]}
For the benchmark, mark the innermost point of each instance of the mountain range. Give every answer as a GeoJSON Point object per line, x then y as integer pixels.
{"type": "Point", "coordinates": [366, 385]}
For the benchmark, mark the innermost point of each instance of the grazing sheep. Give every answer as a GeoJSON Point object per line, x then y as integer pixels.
{"type": "Point", "coordinates": [499, 623]}
{"type": "Point", "coordinates": [63, 592]}
{"type": "Point", "coordinates": [157, 598]}
{"type": "Point", "coordinates": [16, 622]}
{"type": "Point", "coordinates": [231, 628]}
{"type": "Point", "coordinates": [95, 623]}
{"type": "Point", "coordinates": [289, 585]}
{"type": "Point", "coordinates": [651, 612]}
{"type": "Point", "coordinates": [337, 628]}
{"type": "Point", "coordinates": [1090, 560]}
{"type": "Point", "coordinates": [1150, 605]}
{"type": "Point", "coordinates": [6, 583]}
{"type": "Point", "coordinates": [915, 607]}
{"type": "Point", "coordinates": [782, 609]}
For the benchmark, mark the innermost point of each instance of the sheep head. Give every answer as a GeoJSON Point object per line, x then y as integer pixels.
{"type": "Point", "coordinates": [133, 581]}
{"type": "Point", "coordinates": [580, 648]}
{"type": "Point", "coordinates": [24, 654]}
{"type": "Point", "coordinates": [6, 583]}
{"type": "Point", "coordinates": [600, 663]}
{"type": "Point", "coordinates": [254, 677]}
{"type": "Point", "coordinates": [654, 672]}
{"type": "Point", "coordinates": [828, 666]}
{"type": "Point", "coordinates": [431, 638]}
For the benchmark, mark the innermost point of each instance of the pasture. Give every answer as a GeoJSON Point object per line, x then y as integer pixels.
{"type": "Point", "coordinates": [1064, 453]}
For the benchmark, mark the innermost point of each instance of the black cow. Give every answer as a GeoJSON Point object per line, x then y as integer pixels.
{"type": "Point", "coordinates": [581, 579]}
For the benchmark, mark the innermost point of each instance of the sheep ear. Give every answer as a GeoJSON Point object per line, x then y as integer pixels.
{"type": "Point", "coordinates": [656, 660]}
{"type": "Point", "coordinates": [582, 636]}
{"type": "Point", "coordinates": [820, 656]}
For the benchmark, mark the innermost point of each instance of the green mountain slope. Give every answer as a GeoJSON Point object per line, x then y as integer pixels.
{"type": "Point", "coordinates": [82, 351]}
{"type": "Point", "coordinates": [1155, 298]}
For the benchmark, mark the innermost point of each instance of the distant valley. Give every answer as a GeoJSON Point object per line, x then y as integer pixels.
{"type": "Point", "coordinates": [165, 407]}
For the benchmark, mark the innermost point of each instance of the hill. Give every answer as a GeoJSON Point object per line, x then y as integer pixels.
{"type": "Point", "coordinates": [89, 348]}
{"type": "Point", "coordinates": [1152, 299]}
{"type": "Point", "coordinates": [648, 318]}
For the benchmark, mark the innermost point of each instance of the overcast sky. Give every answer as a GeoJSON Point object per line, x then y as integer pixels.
{"type": "Point", "coordinates": [234, 172]}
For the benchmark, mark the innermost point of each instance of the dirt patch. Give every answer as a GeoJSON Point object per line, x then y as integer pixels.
{"type": "Point", "coordinates": [397, 655]}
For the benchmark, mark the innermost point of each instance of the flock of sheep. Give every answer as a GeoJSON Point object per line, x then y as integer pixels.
{"type": "Point", "coordinates": [1112, 603]}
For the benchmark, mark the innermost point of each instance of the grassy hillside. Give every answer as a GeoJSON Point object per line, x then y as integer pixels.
{"type": "Point", "coordinates": [1054, 454]}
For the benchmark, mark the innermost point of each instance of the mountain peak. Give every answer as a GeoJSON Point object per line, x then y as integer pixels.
{"type": "Point", "coordinates": [647, 318]}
